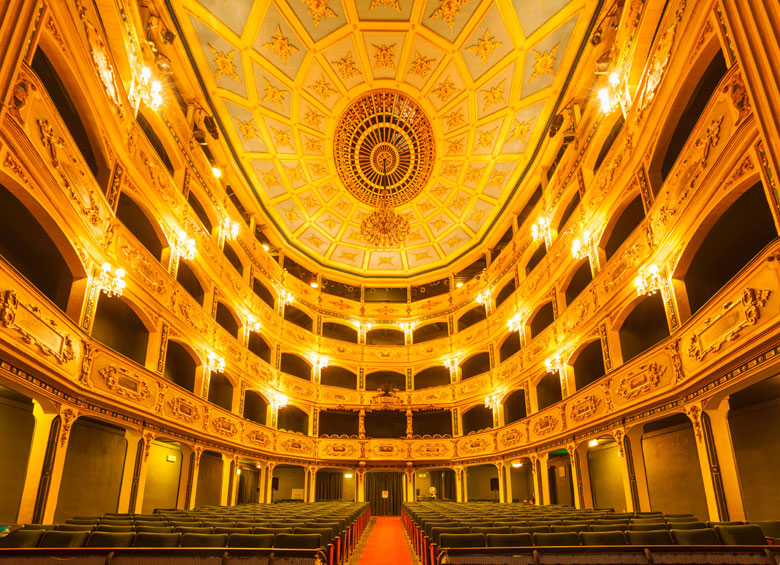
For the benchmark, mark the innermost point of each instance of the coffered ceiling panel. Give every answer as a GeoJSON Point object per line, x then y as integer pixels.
{"type": "Point", "coordinates": [486, 74]}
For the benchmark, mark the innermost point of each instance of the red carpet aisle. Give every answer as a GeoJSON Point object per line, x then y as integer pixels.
{"type": "Point", "coordinates": [386, 544]}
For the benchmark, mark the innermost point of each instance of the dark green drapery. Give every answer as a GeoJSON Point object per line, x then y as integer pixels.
{"type": "Point", "coordinates": [329, 485]}
{"type": "Point", "coordinates": [376, 483]}
{"type": "Point", "coordinates": [247, 486]}
{"type": "Point", "coordinates": [444, 481]}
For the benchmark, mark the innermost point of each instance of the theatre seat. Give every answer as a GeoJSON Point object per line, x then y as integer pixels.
{"type": "Point", "coordinates": [741, 535]}
{"type": "Point", "coordinates": [110, 539]}
{"type": "Point", "coordinates": [251, 540]}
{"type": "Point", "coordinates": [203, 540]}
{"type": "Point", "coordinates": [609, 527]}
{"type": "Point", "coordinates": [701, 536]}
{"type": "Point", "coordinates": [603, 538]}
{"type": "Point", "coordinates": [556, 539]}
{"type": "Point", "coordinates": [221, 530]}
{"type": "Point", "coordinates": [509, 540]}
{"type": "Point", "coordinates": [771, 528]}
{"type": "Point", "coordinates": [22, 538]}
{"type": "Point", "coordinates": [149, 539]}
{"type": "Point", "coordinates": [530, 529]}
{"type": "Point", "coordinates": [687, 526]}
{"type": "Point", "coordinates": [102, 528]}
{"type": "Point", "coordinates": [491, 530]}
{"type": "Point", "coordinates": [75, 528]}
{"type": "Point", "coordinates": [59, 538]}
{"type": "Point", "coordinates": [649, 537]}
{"type": "Point", "coordinates": [192, 530]}
{"type": "Point", "coordinates": [462, 540]}
{"type": "Point", "coordinates": [298, 541]}
{"type": "Point", "coordinates": [154, 529]}
{"type": "Point", "coordinates": [570, 528]}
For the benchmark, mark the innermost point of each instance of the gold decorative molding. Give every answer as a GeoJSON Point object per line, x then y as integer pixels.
{"type": "Point", "coordinates": [68, 416]}
{"type": "Point", "coordinates": [184, 410]}
{"type": "Point", "coordinates": [634, 384]}
{"type": "Point", "coordinates": [545, 425]}
{"type": "Point", "coordinates": [728, 324]}
{"type": "Point", "coordinates": [118, 380]}
{"type": "Point", "coordinates": [258, 438]}
{"type": "Point", "coordinates": [28, 321]}
{"type": "Point", "coordinates": [224, 426]}
{"type": "Point", "coordinates": [584, 408]}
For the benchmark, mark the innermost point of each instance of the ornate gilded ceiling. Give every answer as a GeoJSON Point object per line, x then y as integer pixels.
{"type": "Point", "coordinates": [485, 74]}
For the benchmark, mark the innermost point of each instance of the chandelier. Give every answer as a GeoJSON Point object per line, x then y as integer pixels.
{"type": "Point", "coordinates": [383, 228]}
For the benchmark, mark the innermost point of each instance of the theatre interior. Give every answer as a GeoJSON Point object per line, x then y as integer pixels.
{"type": "Point", "coordinates": [390, 281]}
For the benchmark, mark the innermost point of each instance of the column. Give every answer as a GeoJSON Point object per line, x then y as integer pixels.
{"type": "Point", "coordinates": [634, 450]}
{"type": "Point", "coordinates": [458, 483]}
{"type": "Point", "coordinates": [583, 475]}
{"type": "Point", "coordinates": [535, 479]}
{"type": "Point", "coordinates": [544, 478]}
{"type": "Point", "coordinates": [360, 486]}
{"type": "Point", "coordinates": [185, 475]}
{"type": "Point", "coordinates": [626, 471]}
{"type": "Point", "coordinates": [263, 468]}
{"type": "Point", "coordinates": [362, 423]}
{"type": "Point", "coordinates": [44, 438]}
{"type": "Point", "coordinates": [192, 484]}
{"type": "Point", "coordinates": [269, 479]}
{"type": "Point", "coordinates": [312, 486]}
{"type": "Point", "coordinates": [501, 482]}
{"type": "Point", "coordinates": [575, 476]}
{"type": "Point", "coordinates": [131, 491]}
{"type": "Point", "coordinates": [508, 481]}
{"type": "Point", "coordinates": [411, 494]}
{"type": "Point", "coordinates": [228, 473]}
{"type": "Point", "coordinates": [465, 483]}
{"type": "Point", "coordinates": [51, 477]}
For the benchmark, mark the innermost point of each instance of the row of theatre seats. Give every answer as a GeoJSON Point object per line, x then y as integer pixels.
{"type": "Point", "coordinates": [449, 532]}
{"type": "Point", "coordinates": [326, 530]}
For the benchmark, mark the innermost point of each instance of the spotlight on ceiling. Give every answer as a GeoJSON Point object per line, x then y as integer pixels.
{"type": "Point", "coordinates": [556, 124]}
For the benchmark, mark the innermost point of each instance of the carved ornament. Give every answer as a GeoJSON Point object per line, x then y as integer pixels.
{"type": "Point", "coordinates": [648, 377]}
{"type": "Point", "coordinates": [224, 426]}
{"type": "Point", "coordinates": [28, 321]}
{"type": "Point", "coordinates": [584, 408]}
{"type": "Point", "coordinates": [184, 410]}
{"type": "Point", "coordinates": [118, 380]}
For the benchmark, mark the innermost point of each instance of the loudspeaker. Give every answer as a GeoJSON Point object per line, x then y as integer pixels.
{"type": "Point", "coordinates": [494, 483]}
{"type": "Point", "coordinates": [275, 483]}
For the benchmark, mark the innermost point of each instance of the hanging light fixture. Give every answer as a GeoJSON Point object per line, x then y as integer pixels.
{"type": "Point", "coordinates": [383, 228]}
{"type": "Point", "coordinates": [147, 90]}
{"type": "Point", "coordinates": [649, 281]}
{"type": "Point", "coordinates": [515, 323]}
{"type": "Point", "coordinates": [492, 402]}
{"type": "Point", "coordinates": [111, 281]}
{"type": "Point", "coordinates": [541, 231]}
{"type": "Point", "coordinates": [214, 363]}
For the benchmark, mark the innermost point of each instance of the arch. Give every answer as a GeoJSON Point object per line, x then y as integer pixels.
{"type": "Point", "coordinates": [29, 246]}
{"type": "Point", "coordinates": [75, 117]}
{"type": "Point", "coordinates": [509, 346]}
{"type": "Point", "coordinates": [186, 277]}
{"type": "Point", "coordinates": [341, 332]}
{"type": "Point", "coordinates": [378, 379]}
{"type": "Point", "coordinates": [136, 220]}
{"type": "Point", "coordinates": [431, 377]}
{"type": "Point", "coordinates": [333, 375]}
{"type": "Point", "coordinates": [548, 390]}
{"type": "Point", "coordinates": [298, 317]}
{"type": "Point", "coordinates": [335, 484]}
{"type": "Point", "coordinates": [431, 331]}
{"type": "Point", "coordinates": [17, 420]}
{"type": "Point", "coordinates": [180, 365]}
{"type": "Point", "coordinates": [536, 258]}
{"type": "Point", "coordinates": [588, 364]}
{"type": "Point", "coordinates": [227, 319]}
{"type": "Point", "coordinates": [609, 140]}
{"type": "Point", "coordinates": [476, 419]}
{"type": "Point", "coordinates": [693, 97]}
{"type": "Point", "coordinates": [475, 365]}
{"type": "Point", "coordinates": [262, 292]}
{"type": "Point", "coordinates": [385, 424]}
{"type": "Point", "coordinates": [117, 326]}
{"type": "Point", "coordinates": [605, 468]}
{"type": "Point", "coordinates": [154, 141]}
{"type": "Point", "coordinates": [514, 407]}
{"type": "Point", "coordinates": [255, 407]}
{"type": "Point", "coordinates": [568, 211]}
{"type": "Point", "coordinates": [631, 216]}
{"type": "Point", "coordinates": [643, 327]}
{"type": "Point", "coordinates": [200, 212]}
{"type": "Point", "coordinates": [221, 391]}
{"type": "Point", "coordinates": [385, 336]}
{"type": "Point", "coordinates": [506, 291]}
{"type": "Point", "coordinates": [259, 347]}
{"type": "Point", "coordinates": [721, 247]}
{"type": "Point", "coordinates": [472, 316]}
{"type": "Point", "coordinates": [441, 479]}
{"type": "Point", "coordinates": [579, 281]}
{"type": "Point", "coordinates": [295, 365]}
{"type": "Point", "coordinates": [542, 319]}
{"type": "Point", "coordinates": [293, 419]}
{"type": "Point", "coordinates": [232, 257]}
{"type": "Point", "coordinates": [339, 423]}
{"type": "Point", "coordinates": [285, 480]}
{"type": "Point", "coordinates": [432, 423]}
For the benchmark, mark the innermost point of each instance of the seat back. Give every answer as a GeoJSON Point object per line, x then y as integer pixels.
{"type": "Point", "coordinates": [648, 527]}
{"type": "Point", "coordinates": [570, 528]}
{"type": "Point", "coordinates": [649, 537]}
{"type": "Point", "coordinates": [22, 538]}
{"type": "Point", "coordinates": [273, 531]}
{"type": "Point", "coordinates": [741, 535]}
{"type": "Point", "coordinates": [771, 528]}
{"type": "Point", "coordinates": [75, 528]}
{"type": "Point", "coordinates": [491, 530]}
{"type": "Point", "coordinates": [608, 527]}
{"type": "Point", "coordinates": [192, 530]}
{"type": "Point", "coordinates": [437, 531]}
{"type": "Point", "coordinates": [325, 534]}
{"type": "Point", "coordinates": [102, 528]}
{"type": "Point", "coordinates": [298, 541]}
{"type": "Point", "coordinates": [530, 529]}
{"type": "Point", "coordinates": [461, 540]}
{"type": "Point", "coordinates": [556, 539]}
{"type": "Point", "coordinates": [687, 526]}
{"type": "Point", "coordinates": [251, 540]}
{"type": "Point", "coordinates": [110, 539]}
{"type": "Point", "coordinates": [154, 529]}
{"type": "Point", "coordinates": [700, 536]}
{"type": "Point", "coordinates": [203, 540]}
{"type": "Point", "coordinates": [603, 538]}
{"type": "Point", "coordinates": [60, 538]}
{"type": "Point", "coordinates": [151, 539]}
{"type": "Point", "coordinates": [509, 540]}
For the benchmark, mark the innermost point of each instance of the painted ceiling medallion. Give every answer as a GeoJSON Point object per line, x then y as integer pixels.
{"type": "Point", "coordinates": [384, 141]}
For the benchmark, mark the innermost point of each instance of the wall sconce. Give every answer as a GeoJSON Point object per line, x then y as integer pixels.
{"type": "Point", "coordinates": [517, 464]}
{"type": "Point", "coordinates": [593, 443]}
{"type": "Point", "coordinates": [492, 402]}
{"type": "Point", "coordinates": [230, 228]}
{"type": "Point", "coordinates": [185, 247]}
{"type": "Point", "coordinates": [147, 90]}
{"type": "Point", "coordinates": [580, 247]}
{"type": "Point", "coordinates": [541, 231]}
{"type": "Point", "coordinates": [238, 471]}
{"type": "Point", "coordinates": [451, 364]}
{"type": "Point", "coordinates": [408, 328]}
{"type": "Point", "coordinates": [515, 323]}
{"type": "Point", "coordinates": [554, 364]}
{"type": "Point", "coordinates": [649, 282]}
{"type": "Point", "coordinates": [253, 324]}
{"type": "Point", "coordinates": [318, 362]}
{"type": "Point", "coordinates": [112, 283]}
{"type": "Point", "coordinates": [348, 475]}
{"type": "Point", "coordinates": [483, 297]}
{"type": "Point", "coordinates": [286, 297]}
{"type": "Point", "coordinates": [609, 96]}
{"type": "Point", "coordinates": [278, 401]}
{"type": "Point", "coordinates": [214, 363]}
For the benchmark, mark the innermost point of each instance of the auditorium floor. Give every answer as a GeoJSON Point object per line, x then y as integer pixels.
{"type": "Point", "coordinates": [384, 543]}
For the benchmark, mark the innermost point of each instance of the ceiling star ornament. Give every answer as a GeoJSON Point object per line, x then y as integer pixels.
{"type": "Point", "coordinates": [224, 63]}
{"type": "Point", "coordinates": [269, 178]}
{"type": "Point", "coordinates": [282, 138]}
{"type": "Point", "coordinates": [384, 4]}
{"type": "Point", "coordinates": [312, 144]}
{"type": "Point", "coordinates": [292, 214]}
{"type": "Point", "coordinates": [485, 138]}
{"type": "Point", "coordinates": [493, 95]}
{"type": "Point", "coordinates": [421, 65]}
{"type": "Point", "coordinates": [422, 256]}
{"type": "Point", "coordinates": [346, 67]}
{"type": "Point", "coordinates": [453, 241]}
{"type": "Point", "coordinates": [476, 215]}
{"type": "Point", "coordinates": [474, 174]}
{"type": "Point", "coordinates": [294, 173]}
{"type": "Point", "coordinates": [248, 130]}
{"type": "Point", "coordinates": [455, 146]}
{"type": "Point", "coordinates": [312, 118]}
{"type": "Point", "coordinates": [484, 47]}
{"type": "Point", "coordinates": [445, 90]}
{"type": "Point", "coordinates": [450, 169]}
{"type": "Point", "coordinates": [280, 45]}
{"type": "Point", "coordinates": [498, 178]}
{"type": "Point", "coordinates": [440, 190]}
{"type": "Point", "coordinates": [318, 169]}
{"type": "Point", "coordinates": [448, 10]}
{"type": "Point", "coordinates": [544, 63]}
{"type": "Point", "coordinates": [323, 89]}
{"type": "Point", "coordinates": [520, 130]}
{"type": "Point", "coordinates": [347, 256]}
{"type": "Point", "coordinates": [315, 241]}
{"type": "Point", "coordinates": [387, 260]}
{"type": "Point", "coordinates": [440, 223]}
{"type": "Point", "coordinates": [455, 119]}
{"type": "Point", "coordinates": [319, 10]}
{"type": "Point", "coordinates": [273, 94]}
{"type": "Point", "coordinates": [383, 56]}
